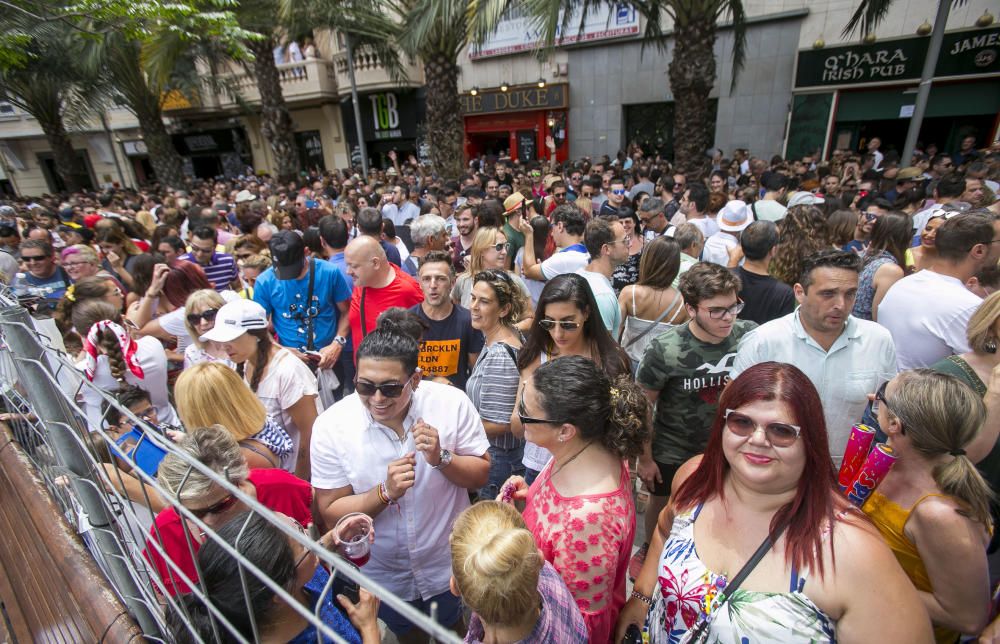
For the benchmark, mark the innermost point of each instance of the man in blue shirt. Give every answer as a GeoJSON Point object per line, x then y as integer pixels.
{"type": "Point", "coordinates": [314, 328]}
{"type": "Point", "coordinates": [334, 235]}
{"type": "Point", "coordinates": [43, 279]}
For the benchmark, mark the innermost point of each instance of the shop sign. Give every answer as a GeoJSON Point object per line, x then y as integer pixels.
{"type": "Point", "coordinates": [519, 32]}
{"type": "Point", "coordinates": [384, 115]}
{"type": "Point", "coordinates": [971, 51]}
{"type": "Point", "coordinates": [516, 99]}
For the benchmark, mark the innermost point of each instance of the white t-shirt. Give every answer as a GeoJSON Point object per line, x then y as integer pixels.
{"type": "Point", "coordinates": [151, 357]}
{"type": "Point", "coordinates": [717, 248]}
{"type": "Point", "coordinates": [286, 381]}
{"type": "Point", "coordinates": [534, 286]}
{"type": "Point", "coordinates": [607, 301]}
{"type": "Point", "coordinates": [410, 556]}
{"type": "Point", "coordinates": [707, 225]}
{"type": "Point", "coordinates": [565, 261]}
{"type": "Point", "coordinates": [927, 314]}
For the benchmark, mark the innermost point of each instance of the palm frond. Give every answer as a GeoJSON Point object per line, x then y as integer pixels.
{"type": "Point", "coordinates": [868, 16]}
{"type": "Point", "coordinates": [739, 21]}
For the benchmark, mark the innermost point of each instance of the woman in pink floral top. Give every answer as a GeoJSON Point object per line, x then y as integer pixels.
{"type": "Point", "coordinates": [580, 509]}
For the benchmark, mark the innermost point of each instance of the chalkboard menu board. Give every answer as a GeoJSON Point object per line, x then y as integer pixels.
{"type": "Point", "coordinates": [526, 145]}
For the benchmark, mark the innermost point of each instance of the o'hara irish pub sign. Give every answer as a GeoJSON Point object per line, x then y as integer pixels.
{"type": "Point", "coordinates": [963, 53]}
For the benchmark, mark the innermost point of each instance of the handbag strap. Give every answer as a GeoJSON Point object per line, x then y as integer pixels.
{"type": "Point", "coordinates": [310, 325]}
{"type": "Point", "coordinates": [364, 324]}
{"type": "Point", "coordinates": [655, 322]}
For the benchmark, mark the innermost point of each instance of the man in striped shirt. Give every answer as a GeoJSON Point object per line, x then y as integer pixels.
{"type": "Point", "coordinates": [220, 268]}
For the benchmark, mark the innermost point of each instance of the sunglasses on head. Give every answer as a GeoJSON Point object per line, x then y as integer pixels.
{"type": "Point", "coordinates": [220, 507]}
{"type": "Point", "coordinates": [387, 389]}
{"type": "Point", "coordinates": [567, 325]}
{"type": "Point", "coordinates": [208, 315]}
{"type": "Point", "coordinates": [778, 434]}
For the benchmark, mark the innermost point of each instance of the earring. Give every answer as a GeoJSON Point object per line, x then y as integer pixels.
{"type": "Point", "coordinates": [990, 345]}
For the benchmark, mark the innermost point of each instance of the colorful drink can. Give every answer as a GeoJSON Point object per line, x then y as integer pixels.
{"type": "Point", "coordinates": [859, 443]}
{"type": "Point", "coordinates": [873, 472]}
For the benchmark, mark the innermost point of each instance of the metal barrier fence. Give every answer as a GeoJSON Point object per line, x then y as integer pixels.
{"type": "Point", "coordinates": [40, 388]}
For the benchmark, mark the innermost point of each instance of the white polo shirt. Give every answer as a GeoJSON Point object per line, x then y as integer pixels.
{"type": "Point", "coordinates": [411, 556]}
{"type": "Point", "coordinates": [927, 314]}
{"type": "Point", "coordinates": [861, 359]}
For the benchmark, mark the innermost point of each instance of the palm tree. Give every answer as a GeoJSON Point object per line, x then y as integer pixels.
{"type": "Point", "coordinates": [435, 31]}
{"type": "Point", "coordinates": [692, 68]}
{"type": "Point", "coordinates": [48, 84]}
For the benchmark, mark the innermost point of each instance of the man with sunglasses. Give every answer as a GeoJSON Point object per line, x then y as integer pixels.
{"type": "Point", "coordinates": [844, 357]}
{"type": "Point", "coordinates": [220, 268]}
{"type": "Point", "coordinates": [683, 373]}
{"type": "Point", "coordinates": [948, 189]}
{"type": "Point", "coordinates": [616, 198]}
{"type": "Point", "coordinates": [404, 451]}
{"type": "Point", "coordinates": [870, 208]}
{"type": "Point", "coordinates": [43, 277]}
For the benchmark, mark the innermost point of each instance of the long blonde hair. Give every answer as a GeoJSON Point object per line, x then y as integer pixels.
{"type": "Point", "coordinates": [485, 237]}
{"type": "Point", "coordinates": [203, 299]}
{"type": "Point", "coordinates": [210, 393]}
{"type": "Point", "coordinates": [979, 331]}
{"type": "Point", "coordinates": [941, 415]}
{"type": "Point", "coordinates": [495, 562]}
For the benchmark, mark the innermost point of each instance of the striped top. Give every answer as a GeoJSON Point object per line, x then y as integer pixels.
{"type": "Point", "coordinates": [221, 270]}
{"type": "Point", "coordinates": [492, 387]}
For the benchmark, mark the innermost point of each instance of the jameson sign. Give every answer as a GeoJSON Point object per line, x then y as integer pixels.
{"type": "Point", "coordinates": [972, 51]}
{"type": "Point", "coordinates": [515, 99]}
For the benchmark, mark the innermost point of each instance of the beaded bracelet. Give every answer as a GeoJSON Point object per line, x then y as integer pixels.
{"type": "Point", "coordinates": [383, 494]}
{"type": "Point", "coordinates": [643, 598]}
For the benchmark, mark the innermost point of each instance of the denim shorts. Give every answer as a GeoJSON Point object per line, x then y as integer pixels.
{"type": "Point", "coordinates": [504, 463]}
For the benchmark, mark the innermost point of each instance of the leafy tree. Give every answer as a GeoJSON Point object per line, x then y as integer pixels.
{"type": "Point", "coordinates": [692, 68]}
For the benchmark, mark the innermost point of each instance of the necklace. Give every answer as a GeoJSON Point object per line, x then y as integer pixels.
{"type": "Point", "coordinates": [570, 459]}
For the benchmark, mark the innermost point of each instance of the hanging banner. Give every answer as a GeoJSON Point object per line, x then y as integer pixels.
{"type": "Point", "coordinates": [517, 32]}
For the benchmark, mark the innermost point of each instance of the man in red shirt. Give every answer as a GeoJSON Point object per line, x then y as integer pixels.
{"type": "Point", "coordinates": [378, 285]}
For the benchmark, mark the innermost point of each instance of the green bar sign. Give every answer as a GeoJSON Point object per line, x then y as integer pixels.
{"type": "Point", "coordinates": [970, 51]}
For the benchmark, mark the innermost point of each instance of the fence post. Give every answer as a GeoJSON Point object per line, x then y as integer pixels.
{"type": "Point", "coordinates": [65, 430]}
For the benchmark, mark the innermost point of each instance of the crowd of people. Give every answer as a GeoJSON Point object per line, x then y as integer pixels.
{"type": "Point", "coordinates": [501, 369]}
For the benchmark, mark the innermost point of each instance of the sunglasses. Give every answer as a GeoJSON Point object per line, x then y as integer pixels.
{"type": "Point", "coordinates": [558, 195]}
{"type": "Point", "coordinates": [778, 434]}
{"type": "Point", "coordinates": [618, 191]}
{"type": "Point", "coordinates": [528, 420]}
{"type": "Point", "coordinates": [208, 315]}
{"type": "Point", "coordinates": [387, 389]}
{"type": "Point", "coordinates": [501, 247]}
{"type": "Point", "coordinates": [220, 507]}
{"type": "Point", "coordinates": [34, 258]}
{"type": "Point", "coordinates": [869, 216]}
{"type": "Point", "coordinates": [567, 325]}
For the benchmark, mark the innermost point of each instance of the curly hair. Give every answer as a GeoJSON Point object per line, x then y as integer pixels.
{"type": "Point", "coordinates": [573, 389]}
{"type": "Point", "coordinates": [803, 232]}
{"type": "Point", "coordinates": [507, 292]}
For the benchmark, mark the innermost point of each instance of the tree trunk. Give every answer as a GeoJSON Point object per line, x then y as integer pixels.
{"type": "Point", "coordinates": [445, 131]}
{"type": "Point", "coordinates": [692, 74]}
{"type": "Point", "coordinates": [275, 121]}
{"type": "Point", "coordinates": [166, 161]}
{"type": "Point", "coordinates": [70, 169]}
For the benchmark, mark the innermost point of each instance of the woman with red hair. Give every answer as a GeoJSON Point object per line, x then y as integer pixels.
{"type": "Point", "coordinates": [766, 486]}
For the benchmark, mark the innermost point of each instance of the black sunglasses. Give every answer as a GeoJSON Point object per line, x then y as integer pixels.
{"type": "Point", "coordinates": [567, 325]}
{"type": "Point", "coordinates": [208, 315]}
{"type": "Point", "coordinates": [34, 258]}
{"type": "Point", "coordinates": [220, 507]}
{"type": "Point", "coordinates": [387, 389]}
{"type": "Point", "coordinates": [528, 420]}
{"type": "Point", "coordinates": [880, 400]}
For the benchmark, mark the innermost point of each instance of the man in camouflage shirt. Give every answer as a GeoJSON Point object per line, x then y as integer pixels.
{"type": "Point", "coordinates": [683, 373]}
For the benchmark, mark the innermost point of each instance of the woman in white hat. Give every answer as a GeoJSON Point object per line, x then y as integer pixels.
{"type": "Point", "coordinates": [283, 383]}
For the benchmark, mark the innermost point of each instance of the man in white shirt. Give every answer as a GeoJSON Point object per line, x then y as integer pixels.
{"type": "Point", "coordinates": [418, 446]}
{"type": "Point", "coordinates": [845, 358]}
{"type": "Point", "coordinates": [928, 312]}
{"type": "Point", "coordinates": [694, 203]}
{"type": "Point", "coordinates": [607, 244]}
{"type": "Point", "coordinates": [732, 219]}
{"type": "Point", "coordinates": [568, 226]}
{"type": "Point", "coordinates": [400, 209]}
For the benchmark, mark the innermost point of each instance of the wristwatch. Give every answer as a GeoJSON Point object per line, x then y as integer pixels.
{"type": "Point", "coordinates": [445, 460]}
{"type": "Point", "coordinates": [341, 340]}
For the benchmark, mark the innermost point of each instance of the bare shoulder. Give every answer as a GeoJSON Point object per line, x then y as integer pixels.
{"type": "Point", "coordinates": [943, 519]}
{"type": "Point", "coordinates": [683, 472]}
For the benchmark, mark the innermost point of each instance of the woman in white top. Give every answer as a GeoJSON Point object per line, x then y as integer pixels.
{"type": "Point", "coordinates": [281, 381]}
{"type": "Point", "coordinates": [113, 359]}
{"type": "Point", "coordinates": [200, 310]}
{"type": "Point", "coordinates": [652, 305]}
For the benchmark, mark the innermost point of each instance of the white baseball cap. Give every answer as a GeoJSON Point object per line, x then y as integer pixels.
{"type": "Point", "coordinates": [804, 198]}
{"type": "Point", "coordinates": [245, 195]}
{"type": "Point", "coordinates": [734, 216]}
{"type": "Point", "coordinates": [236, 318]}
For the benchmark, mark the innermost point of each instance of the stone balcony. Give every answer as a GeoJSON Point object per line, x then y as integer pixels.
{"type": "Point", "coordinates": [370, 75]}
{"type": "Point", "coordinates": [302, 83]}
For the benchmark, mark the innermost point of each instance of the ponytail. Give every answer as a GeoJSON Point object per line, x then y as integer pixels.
{"type": "Point", "coordinates": [941, 415]}
{"type": "Point", "coordinates": [263, 356]}
{"type": "Point", "coordinates": [116, 359]}
{"type": "Point", "coordinates": [960, 478]}
{"type": "Point", "coordinates": [573, 390]}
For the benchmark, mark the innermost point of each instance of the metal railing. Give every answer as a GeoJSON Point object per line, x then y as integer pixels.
{"type": "Point", "coordinates": [39, 389]}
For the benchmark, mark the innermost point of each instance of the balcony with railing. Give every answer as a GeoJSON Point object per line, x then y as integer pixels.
{"type": "Point", "coordinates": [302, 83]}
{"type": "Point", "coordinates": [371, 75]}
